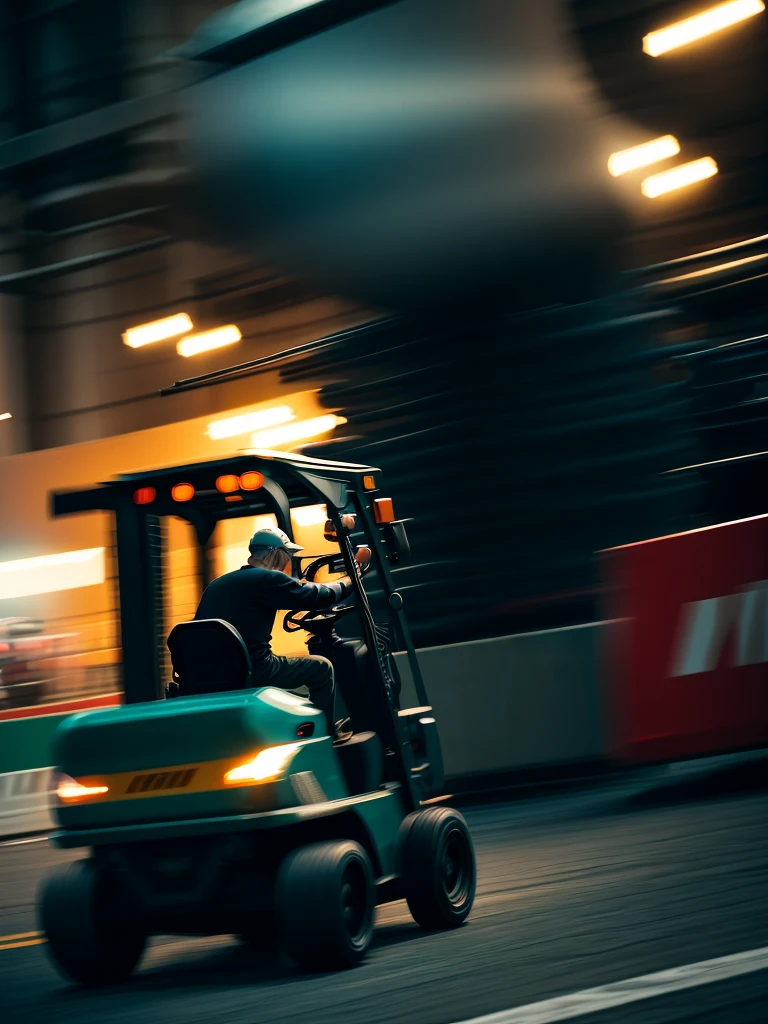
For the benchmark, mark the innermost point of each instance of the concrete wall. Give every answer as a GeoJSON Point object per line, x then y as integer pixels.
{"type": "Point", "coordinates": [515, 702]}
{"type": "Point", "coordinates": [503, 705]}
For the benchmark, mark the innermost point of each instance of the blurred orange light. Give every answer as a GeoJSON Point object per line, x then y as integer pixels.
{"type": "Point", "coordinates": [678, 177]}
{"type": "Point", "coordinates": [182, 492]}
{"type": "Point", "coordinates": [158, 330]}
{"type": "Point", "coordinates": [252, 480]}
{"type": "Point", "coordinates": [227, 483]}
{"type": "Point", "coordinates": [290, 433]}
{"type": "Point", "coordinates": [70, 789]}
{"type": "Point", "coordinates": [194, 344]}
{"type": "Point", "coordinates": [640, 156]}
{"type": "Point", "coordinates": [681, 33]}
{"type": "Point", "coordinates": [144, 495]}
{"type": "Point", "coordinates": [369, 483]}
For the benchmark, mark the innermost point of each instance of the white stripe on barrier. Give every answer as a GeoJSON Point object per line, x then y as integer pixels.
{"type": "Point", "coordinates": [648, 986]}
{"type": "Point", "coordinates": [25, 800]}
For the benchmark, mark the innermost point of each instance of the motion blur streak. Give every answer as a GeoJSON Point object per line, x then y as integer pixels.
{"type": "Point", "coordinates": [428, 152]}
{"type": "Point", "coordinates": [158, 330]}
{"type": "Point", "coordinates": [47, 574]}
{"type": "Point", "coordinates": [235, 425]}
{"type": "Point", "coordinates": [716, 270]}
{"type": "Point", "coordinates": [194, 344]}
{"type": "Point", "coordinates": [640, 156]}
{"type": "Point", "coordinates": [700, 25]}
{"type": "Point", "coordinates": [296, 431]}
{"type": "Point", "coordinates": [678, 177]}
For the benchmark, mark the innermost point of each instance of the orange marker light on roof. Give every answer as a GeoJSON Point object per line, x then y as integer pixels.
{"type": "Point", "coordinates": [252, 480]}
{"type": "Point", "coordinates": [182, 492]}
{"type": "Point", "coordinates": [144, 495]}
{"type": "Point", "coordinates": [228, 483]}
{"type": "Point", "coordinates": [383, 510]}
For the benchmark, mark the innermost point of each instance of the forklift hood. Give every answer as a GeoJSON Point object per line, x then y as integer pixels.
{"type": "Point", "coordinates": [193, 757]}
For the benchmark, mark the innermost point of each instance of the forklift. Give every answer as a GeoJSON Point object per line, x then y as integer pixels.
{"type": "Point", "coordinates": [208, 805]}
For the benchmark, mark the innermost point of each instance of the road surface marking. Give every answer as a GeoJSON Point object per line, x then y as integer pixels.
{"type": "Point", "coordinates": [28, 939]}
{"type": "Point", "coordinates": [18, 945]}
{"type": "Point", "coordinates": [648, 986]}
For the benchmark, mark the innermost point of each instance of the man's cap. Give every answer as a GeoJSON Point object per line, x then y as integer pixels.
{"type": "Point", "coordinates": [271, 537]}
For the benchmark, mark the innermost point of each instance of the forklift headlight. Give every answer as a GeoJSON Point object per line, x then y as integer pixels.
{"type": "Point", "coordinates": [267, 765]}
{"type": "Point", "coordinates": [69, 790]}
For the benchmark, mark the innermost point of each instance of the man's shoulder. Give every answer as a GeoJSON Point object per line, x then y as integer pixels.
{"type": "Point", "coordinates": [250, 575]}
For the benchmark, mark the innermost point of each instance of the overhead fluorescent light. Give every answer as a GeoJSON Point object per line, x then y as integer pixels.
{"type": "Point", "coordinates": [158, 330]}
{"type": "Point", "coordinates": [47, 574]}
{"type": "Point", "coordinates": [299, 431]}
{"type": "Point", "coordinates": [258, 420]}
{"type": "Point", "coordinates": [640, 156]}
{"type": "Point", "coordinates": [194, 344]}
{"type": "Point", "coordinates": [5, 416]}
{"type": "Point", "coordinates": [700, 25]}
{"type": "Point", "coordinates": [678, 177]}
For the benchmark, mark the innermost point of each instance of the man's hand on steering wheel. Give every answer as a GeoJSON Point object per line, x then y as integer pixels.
{"type": "Point", "coordinates": [294, 621]}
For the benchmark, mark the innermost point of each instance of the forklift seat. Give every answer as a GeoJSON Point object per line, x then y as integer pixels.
{"type": "Point", "coordinates": [208, 656]}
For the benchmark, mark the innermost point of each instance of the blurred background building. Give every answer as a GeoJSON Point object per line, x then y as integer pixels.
{"type": "Point", "coordinates": [536, 434]}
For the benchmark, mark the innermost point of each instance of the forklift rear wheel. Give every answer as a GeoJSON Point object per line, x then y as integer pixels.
{"type": "Point", "coordinates": [325, 904]}
{"type": "Point", "coordinates": [438, 867]}
{"type": "Point", "coordinates": [86, 937]}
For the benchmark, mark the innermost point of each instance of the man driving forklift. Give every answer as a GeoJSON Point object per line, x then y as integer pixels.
{"type": "Point", "coordinates": [249, 599]}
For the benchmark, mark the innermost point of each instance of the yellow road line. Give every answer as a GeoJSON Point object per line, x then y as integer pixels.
{"type": "Point", "coordinates": [20, 935]}
{"type": "Point", "coordinates": [18, 945]}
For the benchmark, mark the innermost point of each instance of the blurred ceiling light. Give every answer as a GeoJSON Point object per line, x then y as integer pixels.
{"type": "Point", "coordinates": [194, 344]}
{"type": "Point", "coordinates": [716, 270]}
{"type": "Point", "coordinates": [678, 177]}
{"type": "Point", "coordinates": [235, 425]}
{"type": "Point", "coordinates": [640, 156]}
{"type": "Point", "coordinates": [298, 431]}
{"type": "Point", "coordinates": [700, 25]}
{"type": "Point", "coordinates": [309, 515]}
{"type": "Point", "coordinates": [5, 416]}
{"type": "Point", "coordinates": [47, 574]}
{"type": "Point", "coordinates": [158, 330]}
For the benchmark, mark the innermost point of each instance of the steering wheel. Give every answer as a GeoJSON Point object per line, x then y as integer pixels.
{"type": "Point", "coordinates": [295, 620]}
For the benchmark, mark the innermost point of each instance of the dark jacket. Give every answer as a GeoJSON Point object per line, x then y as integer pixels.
{"type": "Point", "coordinates": [250, 597]}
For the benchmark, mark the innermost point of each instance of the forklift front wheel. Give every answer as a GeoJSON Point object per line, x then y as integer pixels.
{"type": "Point", "coordinates": [86, 936]}
{"type": "Point", "coordinates": [437, 863]}
{"type": "Point", "coordinates": [325, 903]}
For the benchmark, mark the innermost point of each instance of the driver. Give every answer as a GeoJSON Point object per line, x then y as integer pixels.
{"type": "Point", "coordinates": [250, 597]}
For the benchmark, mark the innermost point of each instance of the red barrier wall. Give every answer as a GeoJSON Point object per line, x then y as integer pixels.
{"type": "Point", "coordinates": [687, 674]}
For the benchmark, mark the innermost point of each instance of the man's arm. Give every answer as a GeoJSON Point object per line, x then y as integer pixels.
{"type": "Point", "coordinates": [286, 592]}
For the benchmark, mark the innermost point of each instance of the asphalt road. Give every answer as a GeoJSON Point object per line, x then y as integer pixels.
{"type": "Point", "coordinates": [576, 890]}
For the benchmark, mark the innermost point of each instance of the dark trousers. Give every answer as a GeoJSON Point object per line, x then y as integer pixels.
{"type": "Point", "coordinates": [314, 672]}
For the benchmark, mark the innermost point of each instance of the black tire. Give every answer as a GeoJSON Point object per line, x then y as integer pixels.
{"type": "Point", "coordinates": [325, 903]}
{"type": "Point", "coordinates": [88, 941]}
{"type": "Point", "coordinates": [437, 862]}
